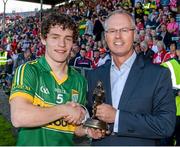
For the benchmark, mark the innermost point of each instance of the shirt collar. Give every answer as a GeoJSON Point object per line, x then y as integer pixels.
{"type": "Point", "coordinates": [46, 66]}
{"type": "Point", "coordinates": [128, 63]}
{"type": "Point", "coordinates": [44, 63]}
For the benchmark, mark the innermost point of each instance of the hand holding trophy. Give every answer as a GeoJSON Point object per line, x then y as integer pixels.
{"type": "Point", "coordinates": [98, 96]}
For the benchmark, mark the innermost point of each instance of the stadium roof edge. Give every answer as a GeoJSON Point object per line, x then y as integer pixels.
{"type": "Point", "coordinates": [47, 2]}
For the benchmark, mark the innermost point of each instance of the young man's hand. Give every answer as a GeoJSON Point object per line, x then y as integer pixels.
{"type": "Point", "coordinates": [75, 113]}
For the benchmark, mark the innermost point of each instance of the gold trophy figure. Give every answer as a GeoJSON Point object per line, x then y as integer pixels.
{"type": "Point", "coordinates": [94, 122]}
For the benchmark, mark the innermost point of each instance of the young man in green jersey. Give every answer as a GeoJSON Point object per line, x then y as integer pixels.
{"type": "Point", "coordinates": [47, 95]}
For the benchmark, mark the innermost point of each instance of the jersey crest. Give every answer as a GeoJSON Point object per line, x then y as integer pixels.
{"type": "Point", "coordinates": [75, 95]}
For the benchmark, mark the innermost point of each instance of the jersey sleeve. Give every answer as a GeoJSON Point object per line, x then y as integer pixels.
{"type": "Point", "coordinates": [24, 82]}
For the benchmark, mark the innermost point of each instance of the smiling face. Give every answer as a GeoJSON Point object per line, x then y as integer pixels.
{"type": "Point", "coordinates": [173, 48]}
{"type": "Point", "coordinates": [58, 44]}
{"type": "Point", "coordinates": [120, 42]}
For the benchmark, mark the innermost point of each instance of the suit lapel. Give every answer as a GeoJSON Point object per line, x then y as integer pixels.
{"type": "Point", "coordinates": [132, 80]}
{"type": "Point", "coordinates": [106, 83]}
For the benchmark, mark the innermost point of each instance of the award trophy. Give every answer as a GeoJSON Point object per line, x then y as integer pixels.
{"type": "Point", "coordinates": [94, 122]}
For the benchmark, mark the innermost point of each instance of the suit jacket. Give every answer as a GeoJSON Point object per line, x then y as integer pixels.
{"type": "Point", "coordinates": [147, 105]}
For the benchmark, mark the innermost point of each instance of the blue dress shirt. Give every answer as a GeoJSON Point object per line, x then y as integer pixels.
{"type": "Point", "coordinates": [118, 77]}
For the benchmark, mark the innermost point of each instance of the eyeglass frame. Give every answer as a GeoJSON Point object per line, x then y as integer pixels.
{"type": "Point", "coordinates": [114, 31]}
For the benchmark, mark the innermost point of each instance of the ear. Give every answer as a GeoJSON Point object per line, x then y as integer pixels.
{"type": "Point", "coordinates": [105, 36]}
{"type": "Point", "coordinates": [43, 40]}
{"type": "Point", "coordinates": [135, 34]}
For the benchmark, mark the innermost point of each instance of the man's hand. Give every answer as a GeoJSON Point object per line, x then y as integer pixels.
{"type": "Point", "coordinates": [96, 133]}
{"type": "Point", "coordinates": [90, 132]}
{"type": "Point", "coordinates": [106, 113]}
{"type": "Point", "coordinates": [75, 113]}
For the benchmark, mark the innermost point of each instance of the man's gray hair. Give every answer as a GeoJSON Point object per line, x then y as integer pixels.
{"type": "Point", "coordinates": [119, 12]}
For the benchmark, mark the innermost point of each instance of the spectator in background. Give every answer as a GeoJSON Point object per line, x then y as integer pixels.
{"type": "Point", "coordinates": [14, 45]}
{"type": "Point", "coordinates": [139, 24]}
{"type": "Point", "coordinates": [8, 46]}
{"type": "Point", "coordinates": [6, 62]}
{"type": "Point", "coordinates": [173, 5]}
{"type": "Point", "coordinates": [148, 53]}
{"type": "Point", "coordinates": [164, 3]}
{"type": "Point", "coordinates": [96, 56]}
{"type": "Point", "coordinates": [146, 21]}
{"type": "Point", "coordinates": [98, 28]}
{"type": "Point", "coordinates": [173, 26]}
{"type": "Point", "coordinates": [174, 67]}
{"type": "Point", "coordinates": [90, 41]}
{"type": "Point", "coordinates": [146, 7]}
{"type": "Point", "coordinates": [14, 57]}
{"type": "Point", "coordinates": [154, 46]}
{"type": "Point", "coordinates": [166, 35]}
{"type": "Point", "coordinates": [159, 56]}
{"type": "Point", "coordinates": [72, 58]}
{"type": "Point", "coordinates": [149, 41]}
{"type": "Point", "coordinates": [153, 17]}
{"type": "Point", "coordinates": [138, 10]}
{"type": "Point", "coordinates": [142, 34]}
{"type": "Point", "coordinates": [76, 49]}
{"type": "Point", "coordinates": [82, 26]}
{"type": "Point", "coordinates": [153, 33]}
{"type": "Point", "coordinates": [148, 30]}
{"type": "Point", "coordinates": [41, 51]}
{"type": "Point", "coordinates": [89, 52]}
{"type": "Point", "coordinates": [104, 56]}
{"type": "Point", "coordinates": [82, 61]}
{"type": "Point", "coordinates": [137, 47]}
{"type": "Point", "coordinates": [82, 40]}
{"type": "Point", "coordinates": [89, 26]}
{"type": "Point", "coordinates": [24, 57]}
{"type": "Point", "coordinates": [164, 19]}
{"type": "Point", "coordinates": [172, 53]}
{"type": "Point", "coordinates": [166, 10]}
{"type": "Point", "coordinates": [26, 43]}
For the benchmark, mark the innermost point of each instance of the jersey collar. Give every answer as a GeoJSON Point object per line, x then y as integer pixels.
{"type": "Point", "coordinates": [46, 67]}
{"type": "Point", "coordinates": [44, 64]}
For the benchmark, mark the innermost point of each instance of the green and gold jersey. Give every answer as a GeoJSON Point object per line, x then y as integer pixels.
{"type": "Point", "coordinates": [36, 82]}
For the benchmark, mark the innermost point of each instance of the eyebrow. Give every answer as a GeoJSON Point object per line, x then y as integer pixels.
{"type": "Point", "coordinates": [69, 36]}
{"type": "Point", "coordinates": [130, 27]}
{"type": "Point", "coordinates": [60, 35]}
{"type": "Point", "coordinates": [54, 35]}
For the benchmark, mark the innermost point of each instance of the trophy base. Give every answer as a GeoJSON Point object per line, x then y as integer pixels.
{"type": "Point", "coordinates": [96, 124]}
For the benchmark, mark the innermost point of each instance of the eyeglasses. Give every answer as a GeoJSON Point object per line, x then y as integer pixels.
{"type": "Point", "coordinates": [122, 30]}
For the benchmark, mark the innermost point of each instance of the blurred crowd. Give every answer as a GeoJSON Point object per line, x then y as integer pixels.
{"type": "Point", "coordinates": [157, 33]}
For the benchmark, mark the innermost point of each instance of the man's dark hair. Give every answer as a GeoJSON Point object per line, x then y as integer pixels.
{"type": "Point", "coordinates": [83, 49]}
{"type": "Point", "coordinates": [63, 20]}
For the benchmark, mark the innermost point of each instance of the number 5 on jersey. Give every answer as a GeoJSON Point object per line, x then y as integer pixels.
{"type": "Point", "coordinates": [59, 99]}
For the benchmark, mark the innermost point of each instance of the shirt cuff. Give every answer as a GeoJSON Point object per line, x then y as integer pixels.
{"type": "Point", "coordinates": [87, 114]}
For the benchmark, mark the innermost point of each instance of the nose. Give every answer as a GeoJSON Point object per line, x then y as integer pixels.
{"type": "Point", "coordinates": [118, 33]}
{"type": "Point", "coordinates": [61, 42]}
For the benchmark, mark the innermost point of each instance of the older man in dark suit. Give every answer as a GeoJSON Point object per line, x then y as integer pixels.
{"type": "Point", "coordinates": [139, 103]}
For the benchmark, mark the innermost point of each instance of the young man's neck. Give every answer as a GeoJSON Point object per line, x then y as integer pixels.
{"type": "Point", "coordinates": [58, 68]}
